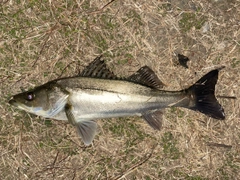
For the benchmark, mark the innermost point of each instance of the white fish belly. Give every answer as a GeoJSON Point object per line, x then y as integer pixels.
{"type": "Point", "coordinates": [94, 104]}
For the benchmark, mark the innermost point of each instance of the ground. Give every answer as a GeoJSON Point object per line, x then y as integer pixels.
{"type": "Point", "coordinates": [44, 40]}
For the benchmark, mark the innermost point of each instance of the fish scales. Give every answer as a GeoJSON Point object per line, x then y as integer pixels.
{"type": "Point", "coordinates": [101, 98]}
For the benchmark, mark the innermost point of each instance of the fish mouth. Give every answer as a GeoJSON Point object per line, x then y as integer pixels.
{"type": "Point", "coordinates": [17, 104]}
{"type": "Point", "coordinates": [13, 102]}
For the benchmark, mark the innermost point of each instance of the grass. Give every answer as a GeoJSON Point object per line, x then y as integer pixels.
{"type": "Point", "coordinates": [44, 40]}
{"type": "Point", "coordinates": [190, 20]}
{"type": "Point", "coordinates": [169, 146]}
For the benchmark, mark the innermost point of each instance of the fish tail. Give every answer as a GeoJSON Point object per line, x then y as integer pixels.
{"type": "Point", "coordinates": [202, 95]}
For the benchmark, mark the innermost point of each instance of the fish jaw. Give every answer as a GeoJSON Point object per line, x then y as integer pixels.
{"type": "Point", "coordinates": [47, 101]}
{"type": "Point", "coordinates": [18, 105]}
{"type": "Point", "coordinates": [33, 110]}
{"type": "Point", "coordinates": [53, 112]}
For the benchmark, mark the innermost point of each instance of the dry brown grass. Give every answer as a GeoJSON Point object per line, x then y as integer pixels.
{"type": "Point", "coordinates": [43, 40]}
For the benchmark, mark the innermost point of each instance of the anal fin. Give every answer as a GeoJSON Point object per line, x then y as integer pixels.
{"type": "Point", "coordinates": [86, 128]}
{"type": "Point", "coordinates": [154, 119]}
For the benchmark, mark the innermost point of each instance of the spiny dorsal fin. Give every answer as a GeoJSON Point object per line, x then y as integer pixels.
{"type": "Point", "coordinates": [147, 77]}
{"type": "Point", "coordinates": [98, 69]}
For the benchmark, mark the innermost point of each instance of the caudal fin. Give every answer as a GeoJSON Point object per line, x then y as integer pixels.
{"type": "Point", "coordinates": [203, 94]}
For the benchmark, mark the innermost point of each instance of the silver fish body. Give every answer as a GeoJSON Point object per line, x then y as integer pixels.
{"type": "Point", "coordinates": [97, 93]}
{"type": "Point", "coordinates": [92, 98]}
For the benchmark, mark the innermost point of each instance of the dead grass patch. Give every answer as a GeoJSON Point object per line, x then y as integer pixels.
{"type": "Point", "coordinates": [43, 40]}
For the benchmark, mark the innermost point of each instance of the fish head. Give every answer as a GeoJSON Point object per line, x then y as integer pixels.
{"type": "Point", "coordinates": [44, 100]}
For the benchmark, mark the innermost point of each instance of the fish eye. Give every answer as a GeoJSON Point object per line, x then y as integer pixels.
{"type": "Point", "coordinates": [30, 96]}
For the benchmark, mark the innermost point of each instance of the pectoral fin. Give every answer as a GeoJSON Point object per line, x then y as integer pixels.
{"type": "Point", "coordinates": [86, 128]}
{"type": "Point", "coordinates": [154, 119]}
{"type": "Point", "coordinates": [69, 114]}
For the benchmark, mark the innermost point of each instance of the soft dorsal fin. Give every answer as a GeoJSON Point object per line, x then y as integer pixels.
{"type": "Point", "coordinates": [147, 77]}
{"type": "Point", "coordinates": [98, 69]}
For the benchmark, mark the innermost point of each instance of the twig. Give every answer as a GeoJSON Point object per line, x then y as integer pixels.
{"type": "Point", "coordinates": [55, 159]}
{"type": "Point", "coordinates": [45, 43]}
{"type": "Point", "coordinates": [101, 9]}
{"type": "Point", "coordinates": [65, 69]}
{"type": "Point", "coordinates": [107, 4]}
{"type": "Point", "coordinates": [227, 97]}
{"type": "Point", "coordinates": [219, 145]}
{"type": "Point", "coordinates": [148, 156]}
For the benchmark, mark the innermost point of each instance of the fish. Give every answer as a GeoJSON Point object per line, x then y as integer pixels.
{"type": "Point", "coordinates": [97, 93]}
